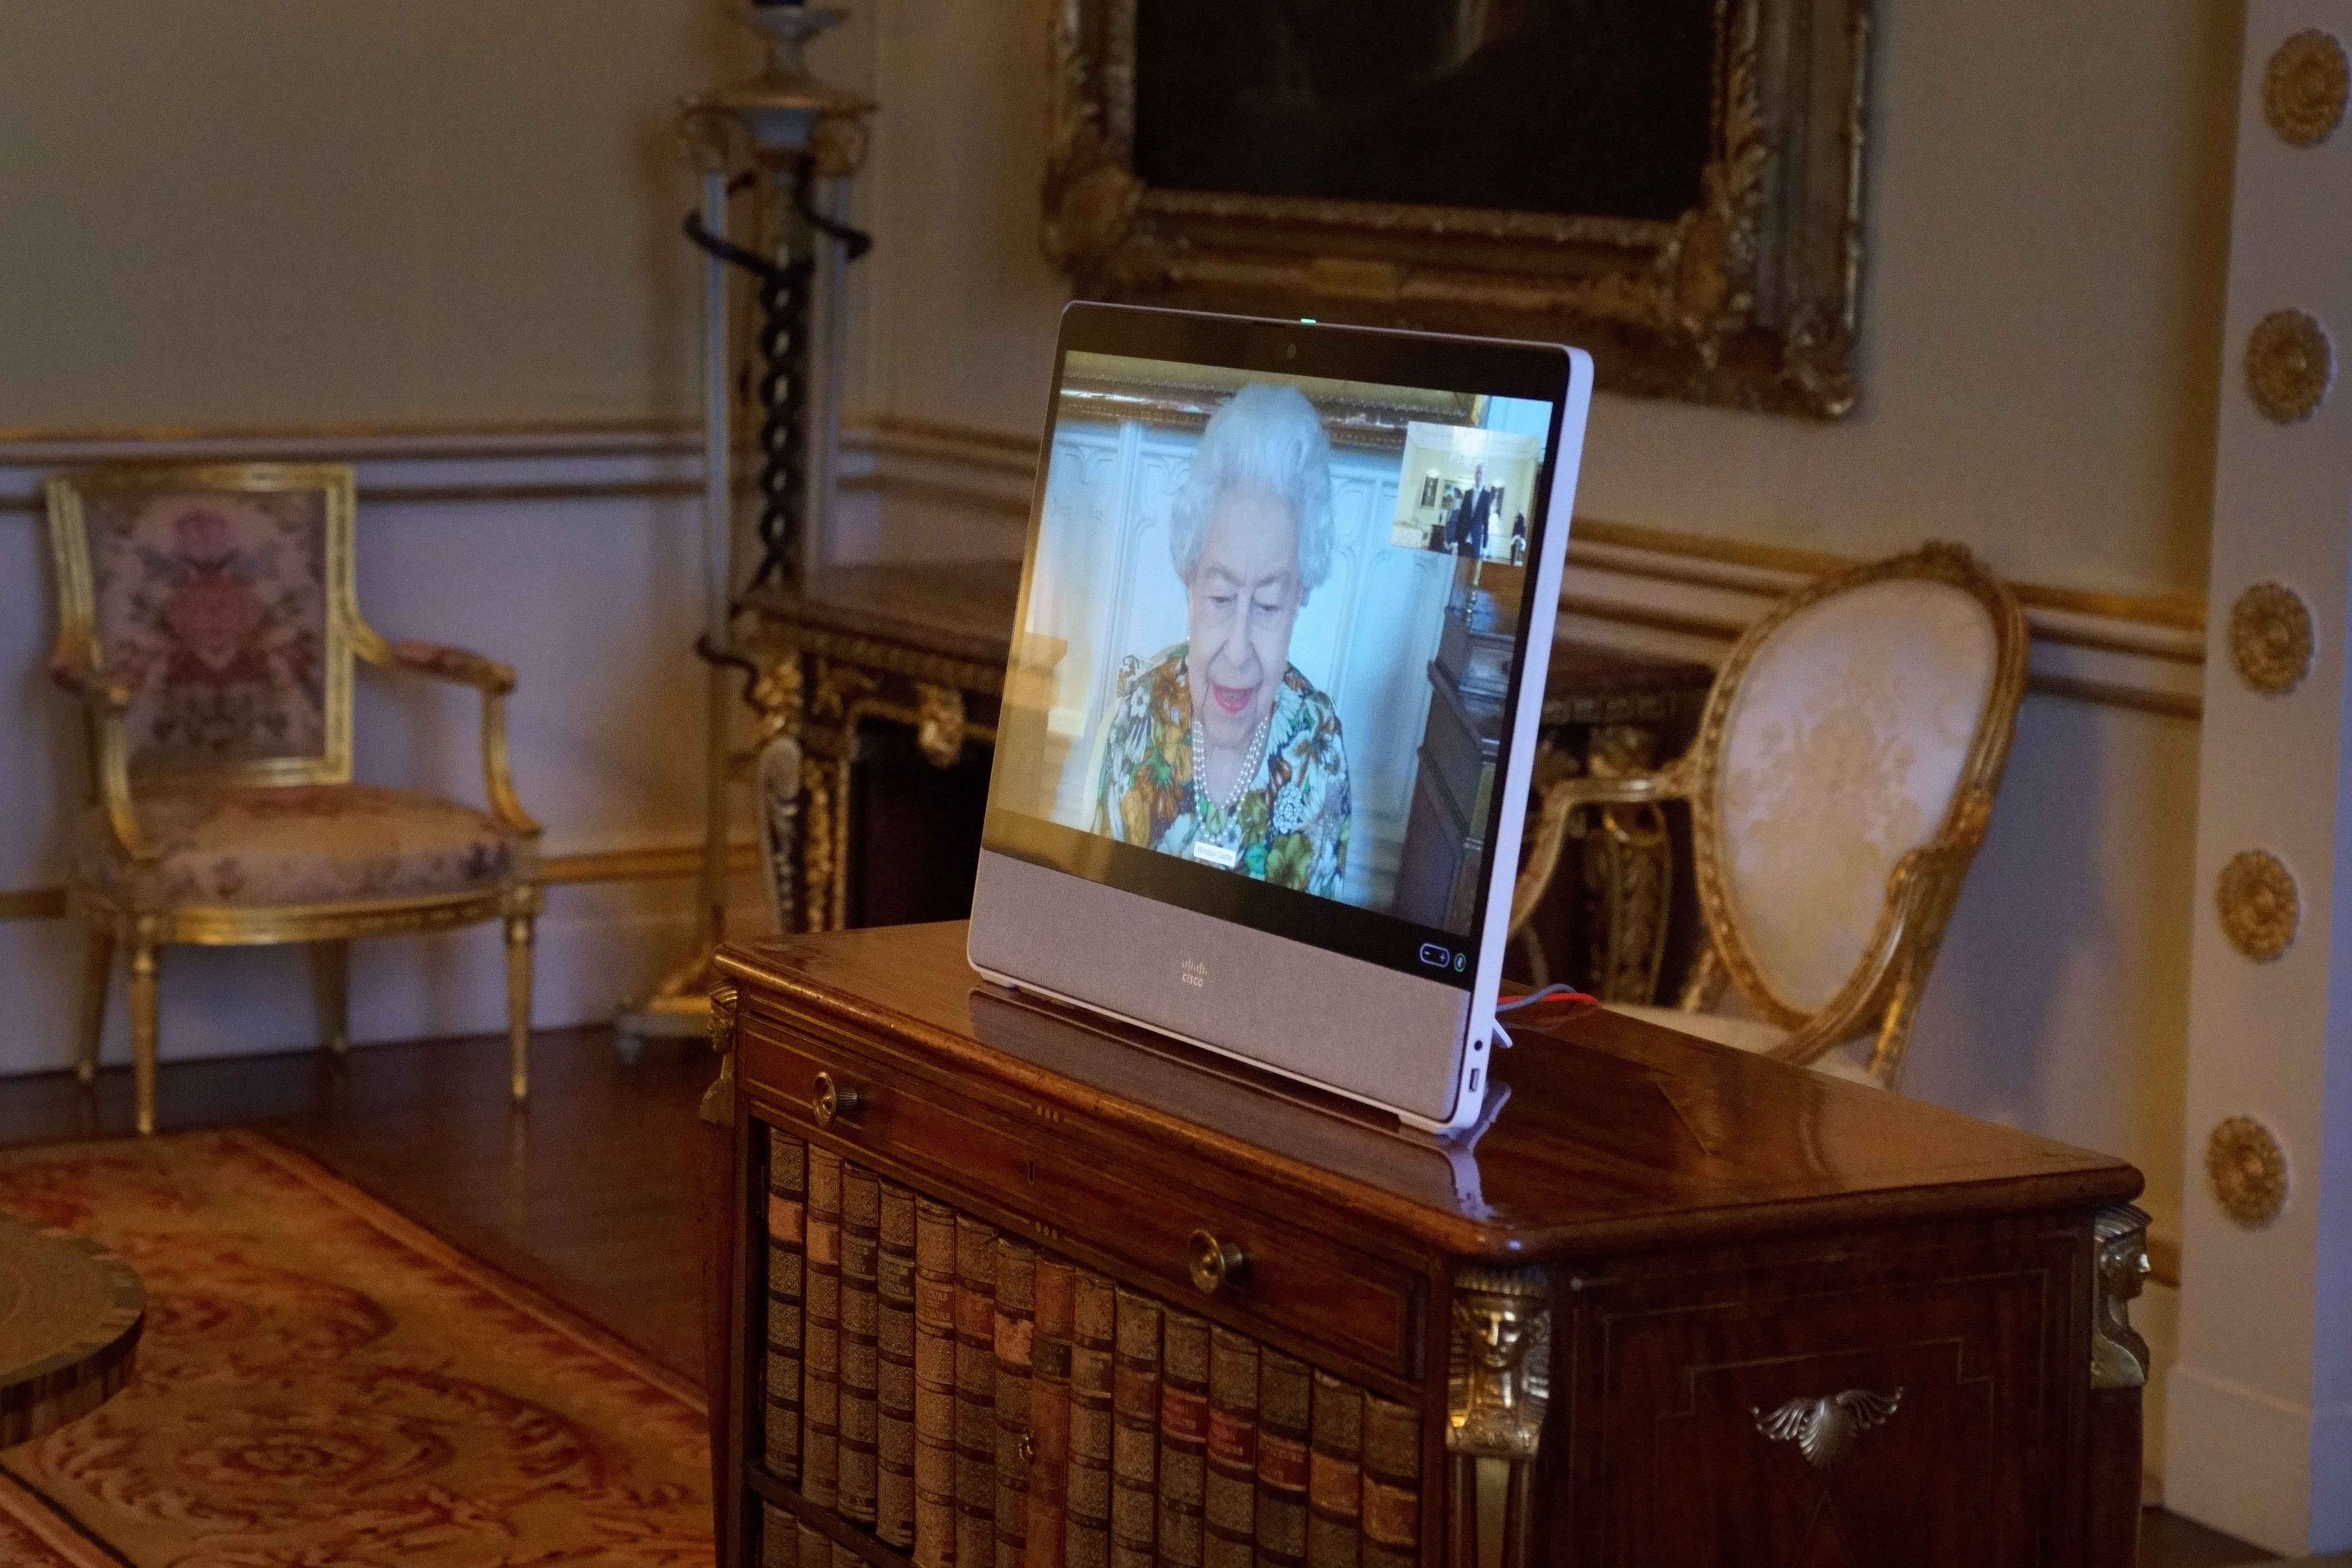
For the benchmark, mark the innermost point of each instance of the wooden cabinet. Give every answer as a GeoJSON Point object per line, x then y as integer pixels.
{"type": "Point", "coordinates": [1678, 1305]}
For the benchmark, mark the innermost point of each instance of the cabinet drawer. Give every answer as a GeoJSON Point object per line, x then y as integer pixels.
{"type": "Point", "coordinates": [1100, 1197]}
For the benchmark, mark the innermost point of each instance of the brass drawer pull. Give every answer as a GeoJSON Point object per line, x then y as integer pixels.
{"type": "Point", "coordinates": [1217, 1265]}
{"type": "Point", "coordinates": [1028, 1448]}
{"type": "Point", "coordinates": [1824, 1429]}
{"type": "Point", "coordinates": [834, 1101]}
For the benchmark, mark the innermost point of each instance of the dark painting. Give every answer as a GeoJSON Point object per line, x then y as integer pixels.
{"type": "Point", "coordinates": [1598, 108]}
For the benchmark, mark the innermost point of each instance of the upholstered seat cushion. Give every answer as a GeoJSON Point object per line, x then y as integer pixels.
{"type": "Point", "coordinates": [298, 844]}
{"type": "Point", "coordinates": [1751, 1035]}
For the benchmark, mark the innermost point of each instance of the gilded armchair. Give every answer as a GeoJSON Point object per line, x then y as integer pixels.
{"type": "Point", "coordinates": [1838, 788]}
{"type": "Point", "coordinates": [208, 622]}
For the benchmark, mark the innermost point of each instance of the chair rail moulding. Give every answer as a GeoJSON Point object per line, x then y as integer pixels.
{"type": "Point", "coordinates": [1713, 256]}
{"type": "Point", "coordinates": [485, 462]}
{"type": "Point", "coordinates": [1671, 589]}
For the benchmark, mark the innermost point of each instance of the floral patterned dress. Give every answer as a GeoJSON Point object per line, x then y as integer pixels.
{"type": "Point", "coordinates": [1289, 827]}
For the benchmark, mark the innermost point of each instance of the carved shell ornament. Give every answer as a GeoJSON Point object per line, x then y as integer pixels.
{"type": "Point", "coordinates": [2271, 638]}
{"type": "Point", "coordinates": [2290, 364]}
{"type": "Point", "coordinates": [2259, 904]}
{"type": "Point", "coordinates": [2305, 88]}
{"type": "Point", "coordinates": [1825, 1429]}
{"type": "Point", "coordinates": [2247, 1166]}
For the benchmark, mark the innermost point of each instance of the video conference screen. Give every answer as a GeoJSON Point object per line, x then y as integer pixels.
{"type": "Point", "coordinates": [1268, 636]}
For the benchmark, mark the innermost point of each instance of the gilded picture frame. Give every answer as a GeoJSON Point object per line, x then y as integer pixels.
{"type": "Point", "coordinates": [1749, 298]}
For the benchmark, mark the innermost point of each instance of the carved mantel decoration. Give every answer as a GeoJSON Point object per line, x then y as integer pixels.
{"type": "Point", "coordinates": [1733, 278]}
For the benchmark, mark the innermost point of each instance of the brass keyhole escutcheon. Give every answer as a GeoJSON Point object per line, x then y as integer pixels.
{"type": "Point", "coordinates": [1028, 1448]}
{"type": "Point", "coordinates": [1217, 1265]}
{"type": "Point", "coordinates": [834, 1101]}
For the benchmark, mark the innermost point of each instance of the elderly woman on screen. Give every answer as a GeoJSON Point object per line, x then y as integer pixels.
{"type": "Point", "coordinates": [1220, 750]}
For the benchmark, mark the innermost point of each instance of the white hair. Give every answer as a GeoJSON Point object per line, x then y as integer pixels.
{"type": "Point", "coordinates": [1268, 438]}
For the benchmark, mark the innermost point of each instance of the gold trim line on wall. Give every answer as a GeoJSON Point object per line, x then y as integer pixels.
{"type": "Point", "coordinates": [2290, 365]}
{"type": "Point", "coordinates": [2305, 88]}
{"type": "Point", "coordinates": [2247, 1168]}
{"type": "Point", "coordinates": [2259, 904]}
{"type": "Point", "coordinates": [2271, 638]}
{"type": "Point", "coordinates": [658, 862]}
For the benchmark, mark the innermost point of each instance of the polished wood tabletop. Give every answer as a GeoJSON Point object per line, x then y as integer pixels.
{"type": "Point", "coordinates": [1616, 1134]}
{"type": "Point", "coordinates": [70, 1315]}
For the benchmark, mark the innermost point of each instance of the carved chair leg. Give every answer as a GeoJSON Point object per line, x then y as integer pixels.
{"type": "Point", "coordinates": [144, 967]}
{"type": "Point", "coordinates": [330, 979]}
{"type": "Point", "coordinates": [519, 954]}
{"type": "Point", "coordinates": [96, 974]}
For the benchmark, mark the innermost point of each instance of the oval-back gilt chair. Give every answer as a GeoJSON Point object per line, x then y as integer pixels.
{"type": "Point", "coordinates": [1839, 786]}
{"type": "Point", "coordinates": [208, 622]}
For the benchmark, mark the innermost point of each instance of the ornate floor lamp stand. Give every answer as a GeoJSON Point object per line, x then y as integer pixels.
{"type": "Point", "coordinates": [795, 143]}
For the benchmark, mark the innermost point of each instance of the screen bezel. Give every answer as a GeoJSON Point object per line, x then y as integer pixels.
{"type": "Point", "coordinates": [1539, 372]}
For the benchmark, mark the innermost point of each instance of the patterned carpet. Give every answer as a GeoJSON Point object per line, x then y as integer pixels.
{"type": "Point", "coordinates": [323, 1383]}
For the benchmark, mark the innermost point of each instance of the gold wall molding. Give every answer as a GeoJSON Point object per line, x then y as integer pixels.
{"type": "Point", "coordinates": [2290, 365]}
{"type": "Point", "coordinates": [2304, 87]}
{"type": "Point", "coordinates": [2247, 1167]}
{"type": "Point", "coordinates": [2271, 638]}
{"type": "Point", "coordinates": [651, 863]}
{"type": "Point", "coordinates": [2140, 647]}
{"type": "Point", "coordinates": [2260, 905]}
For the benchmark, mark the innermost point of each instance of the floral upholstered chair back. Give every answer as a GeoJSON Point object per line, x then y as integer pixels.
{"type": "Point", "coordinates": [217, 604]}
{"type": "Point", "coordinates": [1855, 730]}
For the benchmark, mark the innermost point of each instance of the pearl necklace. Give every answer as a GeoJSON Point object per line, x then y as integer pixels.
{"type": "Point", "coordinates": [1255, 755]}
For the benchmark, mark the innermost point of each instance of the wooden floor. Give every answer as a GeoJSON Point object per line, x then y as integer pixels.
{"type": "Point", "coordinates": [584, 1194]}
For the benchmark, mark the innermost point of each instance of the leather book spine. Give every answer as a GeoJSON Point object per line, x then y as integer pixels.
{"type": "Point", "coordinates": [843, 1557]}
{"type": "Point", "coordinates": [1285, 1404]}
{"type": "Point", "coordinates": [780, 1539]}
{"type": "Point", "coordinates": [787, 1288]}
{"type": "Point", "coordinates": [816, 1551]}
{"type": "Point", "coordinates": [975, 1375]}
{"type": "Point", "coordinates": [1183, 1436]}
{"type": "Point", "coordinates": [1229, 1512]}
{"type": "Point", "coordinates": [935, 1385]}
{"type": "Point", "coordinates": [1135, 1434]}
{"type": "Point", "coordinates": [1093, 1316]}
{"type": "Point", "coordinates": [1391, 1510]}
{"type": "Point", "coordinates": [1049, 1410]}
{"type": "Point", "coordinates": [1016, 1332]}
{"type": "Point", "coordinates": [894, 1371]}
{"type": "Point", "coordinates": [821, 1392]}
{"type": "Point", "coordinates": [861, 1248]}
{"type": "Point", "coordinates": [1335, 1474]}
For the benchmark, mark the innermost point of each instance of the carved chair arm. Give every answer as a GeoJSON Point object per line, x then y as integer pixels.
{"type": "Point", "coordinates": [1561, 800]}
{"type": "Point", "coordinates": [104, 704]}
{"type": "Point", "coordinates": [492, 679]}
{"type": "Point", "coordinates": [1884, 986]}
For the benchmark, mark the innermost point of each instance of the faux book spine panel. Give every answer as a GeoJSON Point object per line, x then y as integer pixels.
{"type": "Point", "coordinates": [1015, 1334]}
{"type": "Point", "coordinates": [861, 1248]}
{"type": "Point", "coordinates": [1284, 1412]}
{"type": "Point", "coordinates": [975, 1431]}
{"type": "Point", "coordinates": [894, 1396]}
{"type": "Point", "coordinates": [1230, 1498]}
{"type": "Point", "coordinates": [935, 1385]}
{"type": "Point", "coordinates": [1094, 1363]}
{"type": "Point", "coordinates": [980, 1403]}
{"type": "Point", "coordinates": [1335, 1475]}
{"type": "Point", "coordinates": [1135, 1433]}
{"type": "Point", "coordinates": [1049, 1411]}
{"type": "Point", "coordinates": [787, 1228]}
{"type": "Point", "coordinates": [821, 1393]}
{"type": "Point", "coordinates": [1183, 1436]}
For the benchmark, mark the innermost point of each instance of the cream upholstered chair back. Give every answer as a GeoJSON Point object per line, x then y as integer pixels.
{"type": "Point", "coordinates": [1840, 785]}
{"type": "Point", "coordinates": [1843, 744]}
